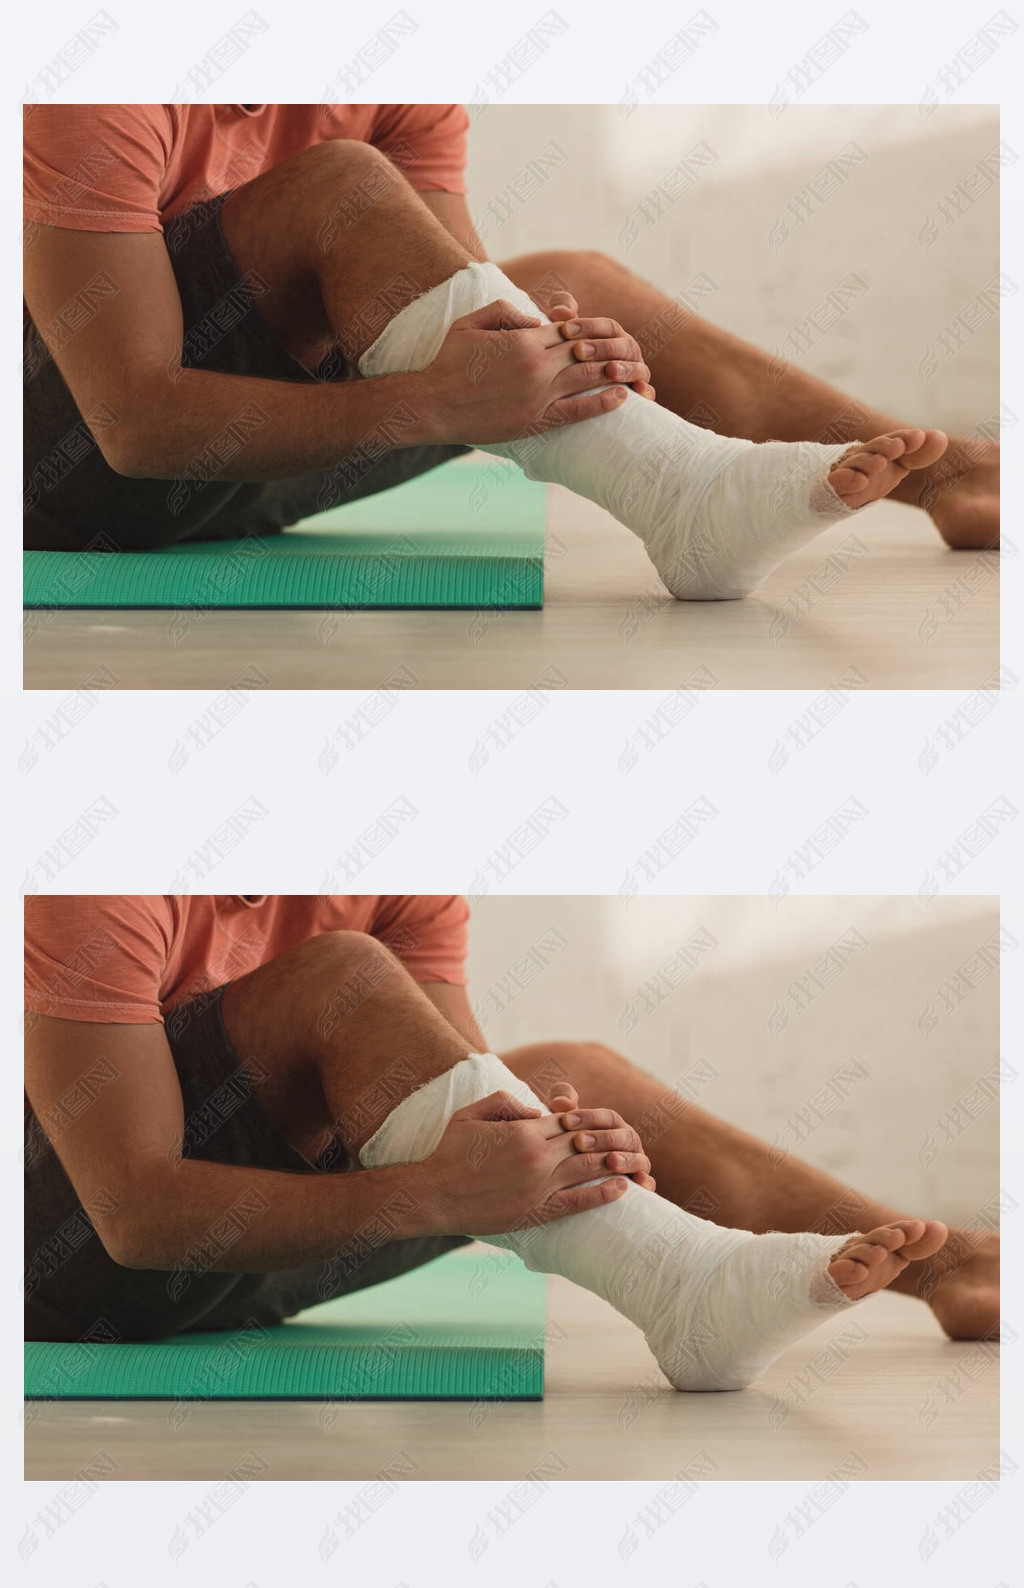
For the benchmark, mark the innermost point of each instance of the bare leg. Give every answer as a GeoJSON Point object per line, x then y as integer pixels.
{"type": "Point", "coordinates": [718, 1172]}
{"type": "Point", "coordinates": [342, 1033]}
{"type": "Point", "coordinates": [343, 242]}
{"type": "Point", "coordinates": [712, 378]}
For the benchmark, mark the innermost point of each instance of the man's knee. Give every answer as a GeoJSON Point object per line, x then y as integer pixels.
{"type": "Point", "coordinates": [350, 179]}
{"type": "Point", "coordinates": [339, 972]}
{"type": "Point", "coordinates": [347, 951]}
{"type": "Point", "coordinates": [545, 1066]}
{"type": "Point", "coordinates": [340, 160]}
{"type": "Point", "coordinates": [325, 189]}
{"type": "Point", "coordinates": [554, 271]}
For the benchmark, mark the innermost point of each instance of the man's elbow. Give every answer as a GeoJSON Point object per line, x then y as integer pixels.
{"type": "Point", "coordinates": [129, 453]}
{"type": "Point", "coordinates": [134, 433]}
{"type": "Point", "coordinates": [128, 1256]}
{"type": "Point", "coordinates": [129, 1245]}
{"type": "Point", "coordinates": [139, 1229]}
{"type": "Point", "coordinates": [130, 466]}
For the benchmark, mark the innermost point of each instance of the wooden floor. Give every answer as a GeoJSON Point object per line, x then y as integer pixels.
{"type": "Point", "coordinates": [890, 1397]}
{"type": "Point", "coordinates": [889, 608]}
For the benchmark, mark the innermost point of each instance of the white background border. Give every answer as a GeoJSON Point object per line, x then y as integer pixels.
{"type": "Point", "coordinates": [121, 751]}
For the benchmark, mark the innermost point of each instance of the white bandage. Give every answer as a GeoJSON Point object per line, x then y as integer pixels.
{"type": "Point", "coordinates": [413, 1129]}
{"type": "Point", "coordinates": [716, 1305]}
{"type": "Point", "coordinates": [716, 514]}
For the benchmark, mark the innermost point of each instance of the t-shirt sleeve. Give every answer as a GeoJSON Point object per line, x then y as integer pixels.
{"type": "Point", "coordinates": [96, 168]}
{"type": "Point", "coordinates": [427, 143]}
{"type": "Point", "coordinates": [428, 933]}
{"type": "Point", "coordinates": [96, 957]}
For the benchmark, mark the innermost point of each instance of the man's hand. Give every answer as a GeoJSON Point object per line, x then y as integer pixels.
{"type": "Point", "coordinates": [502, 1166]}
{"type": "Point", "coordinates": [601, 1131]}
{"type": "Point", "coordinates": [599, 339]}
{"type": "Point", "coordinates": [501, 375]}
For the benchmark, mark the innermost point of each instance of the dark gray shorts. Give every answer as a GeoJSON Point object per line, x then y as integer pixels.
{"type": "Point", "coordinates": [74, 1290]}
{"type": "Point", "coordinates": [74, 500]}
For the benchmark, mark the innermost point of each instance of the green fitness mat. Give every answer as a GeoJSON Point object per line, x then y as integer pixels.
{"type": "Point", "coordinates": [464, 1327]}
{"type": "Point", "coordinates": [464, 535]}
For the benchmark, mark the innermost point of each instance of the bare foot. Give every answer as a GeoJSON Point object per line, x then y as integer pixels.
{"type": "Point", "coordinates": [870, 1262]}
{"type": "Point", "coordinates": [962, 1285]}
{"type": "Point", "coordinates": [873, 469]}
{"type": "Point", "coordinates": [962, 496]}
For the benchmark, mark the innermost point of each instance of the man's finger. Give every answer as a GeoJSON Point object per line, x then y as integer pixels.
{"type": "Point", "coordinates": [573, 410]}
{"type": "Point", "coordinates": [581, 1198]}
{"type": "Point", "coordinates": [565, 308]}
{"type": "Point", "coordinates": [551, 1130]}
{"type": "Point", "coordinates": [498, 316]}
{"type": "Point", "coordinates": [498, 1106]}
{"type": "Point", "coordinates": [596, 330]}
{"type": "Point", "coordinates": [584, 377]}
{"type": "Point", "coordinates": [624, 1139]}
{"type": "Point", "coordinates": [624, 371]}
{"type": "Point", "coordinates": [591, 1165]}
{"type": "Point", "coordinates": [631, 1163]}
{"type": "Point", "coordinates": [593, 1119]}
{"type": "Point", "coordinates": [611, 347]}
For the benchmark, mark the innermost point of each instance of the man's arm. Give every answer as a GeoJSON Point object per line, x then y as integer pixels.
{"type": "Point", "coordinates": [152, 1208]}
{"type": "Point", "coordinates": [123, 1155]}
{"type": "Point", "coordinates": [152, 419]}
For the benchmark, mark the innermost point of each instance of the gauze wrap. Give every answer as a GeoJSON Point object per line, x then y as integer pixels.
{"type": "Point", "coordinates": [716, 1305]}
{"type": "Point", "coordinates": [716, 514]}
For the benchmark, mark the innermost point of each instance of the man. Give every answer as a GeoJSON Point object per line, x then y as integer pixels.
{"type": "Point", "coordinates": [207, 1074]}
{"type": "Point", "coordinates": [205, 284]}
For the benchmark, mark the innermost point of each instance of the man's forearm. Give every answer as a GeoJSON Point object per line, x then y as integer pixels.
{"type": "Point", "coordinates": [204, 425]}
{"type": "Point", "coordinates": [220, 1218]}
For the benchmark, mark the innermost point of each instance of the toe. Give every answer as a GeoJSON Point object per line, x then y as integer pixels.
{"type": "Point", "coordinates": [931, 449]}
{"type": "Point", "coordinates": [872, 1261]}
{"type": "Point", "coordinates": [893, 446]}
{"type": "Point", "coordinates": [926, 1237]}
{"type": "Point", "coordinates": [867, 1253]}
{"type": "Point", "coordinates": [923, 447]}
{"type": "Point", "coordinates": [867, 461]}
{"type": "Point", "coordinates": [848, 481]}
{"type": "Point", "coordinates": [870, 470]}
{"type": "Point", "coordinates": [874, 1247]}
{"type": "Point", "coordinates": [894, 1236]}
{"type": "Point", "coordinates": [846, 1271]}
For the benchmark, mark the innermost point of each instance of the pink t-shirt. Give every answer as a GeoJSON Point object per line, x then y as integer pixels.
{"type": "Point", "coordinates": [130, 168]}
{"type": "Point", "coordinates": [129, 959]}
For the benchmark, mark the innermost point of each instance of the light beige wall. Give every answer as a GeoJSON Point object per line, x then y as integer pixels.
{"type": "Point", "coordinates": [576, 176]}
{"type": "Point", "coordinates": [771, 1010]}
